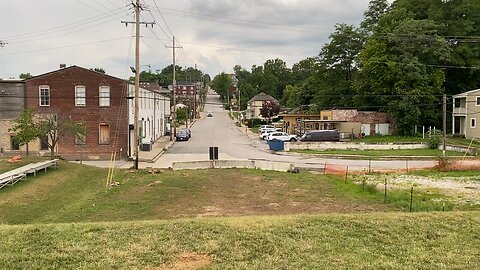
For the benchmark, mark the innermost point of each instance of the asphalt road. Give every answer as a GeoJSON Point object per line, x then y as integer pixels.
{"type": "Point", "coordinates": [220, 131]}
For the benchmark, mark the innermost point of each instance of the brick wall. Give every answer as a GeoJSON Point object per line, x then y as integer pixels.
{"type": "Point", "coordinates": [62, 101]}
{"type": "Point", "coordinates": [363, 117]}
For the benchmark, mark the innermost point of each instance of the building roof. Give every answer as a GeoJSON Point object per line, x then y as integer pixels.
{"type": "Point", "coordinates": [76, 67]}
{"type": "Point", "coordinates": [262, 97]}
{"type": "Point", "coordinates": [464, 94]}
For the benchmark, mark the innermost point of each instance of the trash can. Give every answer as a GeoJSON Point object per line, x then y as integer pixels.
{"type": "Point", "coordinates": [276, 145]}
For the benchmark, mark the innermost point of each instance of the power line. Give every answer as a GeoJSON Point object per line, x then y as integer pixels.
{"type": "Point", "coordinates": [66, 46]}
{"type": "Point", "coordinates": [163, 19]}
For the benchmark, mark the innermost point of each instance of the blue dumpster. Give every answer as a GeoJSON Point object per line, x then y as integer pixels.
{"type": "Point", "coordinates": [276, 145]}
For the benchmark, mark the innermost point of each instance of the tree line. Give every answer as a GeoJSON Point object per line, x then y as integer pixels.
{"type": "Point", "coordinates": [401, 59]}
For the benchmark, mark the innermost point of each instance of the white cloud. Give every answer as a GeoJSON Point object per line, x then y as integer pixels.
{"type": "Point", "coordinates": [215, 34]}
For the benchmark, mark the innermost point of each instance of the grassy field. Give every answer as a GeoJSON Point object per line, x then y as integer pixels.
{"type": "Point", "coordinates": [76, 193]}
{"type": "Point", "coordinates": [382, 153]}
{"type": "Point", "coordinates": [362, 241]}
{"type": "Point", "coordinates": [415, 139]}
{"type": "Point", "coordinates": [225, 219]}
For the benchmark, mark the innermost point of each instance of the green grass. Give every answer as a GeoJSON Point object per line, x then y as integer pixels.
{"type": "Point", "coordinates": [391, 139]}
{"type": "Point", "coordinates": [415, 139]}
{"type": "Point", "coordinates": [382, 153]}
{"type": "Point", "coordinates": [67, 219]}
{"type": "Point", "coordinates": [77, 193]}
{"type": "Point", "coordinates": [255, 129]}
{"type": "Point", "coordinates": [361, 241]}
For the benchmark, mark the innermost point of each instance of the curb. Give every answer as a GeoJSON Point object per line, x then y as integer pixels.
{"type": "Point", "coordinates": [156, 157]}
{"type": "Point", "coordinates": [360, 157]}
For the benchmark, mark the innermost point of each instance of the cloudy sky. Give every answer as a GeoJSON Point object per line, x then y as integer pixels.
{"type": "Point", "coordinates": [215, 34]}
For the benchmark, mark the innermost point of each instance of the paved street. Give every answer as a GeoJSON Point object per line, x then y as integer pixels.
{"type": "Point", "coordinates": [234, 144]}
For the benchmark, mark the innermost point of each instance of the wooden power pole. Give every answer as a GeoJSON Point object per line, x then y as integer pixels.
{"type": "Point", "coordinates": [173, 111]}
{"type": "Point", "coordinates": [136, 141]}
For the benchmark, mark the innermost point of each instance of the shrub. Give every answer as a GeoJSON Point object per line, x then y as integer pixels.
{"type": "Point", "coordinates": [434, 142]}
{"type": "Point", "coordinates": [256, 122]}
{"type": "Point", "coordinates": [444, 164]}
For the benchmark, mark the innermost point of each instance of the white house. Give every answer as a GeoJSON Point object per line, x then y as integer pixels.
{"type": "Point", "coordinates": [154, 114]}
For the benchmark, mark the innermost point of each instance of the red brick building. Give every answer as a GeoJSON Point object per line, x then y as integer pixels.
{"type": "Point", "coordinates": [97, 100]}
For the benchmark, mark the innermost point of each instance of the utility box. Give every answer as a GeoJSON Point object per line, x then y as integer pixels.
{"type": "Point", "coordinates": [146, 147]}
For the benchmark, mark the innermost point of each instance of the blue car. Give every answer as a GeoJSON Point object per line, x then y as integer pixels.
{"type": "Point", "coordinates": [182, 135]}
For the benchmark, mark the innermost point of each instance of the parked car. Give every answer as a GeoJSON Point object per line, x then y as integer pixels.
{"type": "Point", "coordinates": [263, 135]}
{"type": "Point", "coordinates": [182, 135]}
{"type": "Point", "coordinates": [282, 136]}
{"type": "Point", "coordinates": [265, 127]}
{"type": "Point", "coordinates": [209, 114]}
{"type": "Point", "coordinates": [321, 136]}
{"type": "Point", "coordinates": [189, 132]}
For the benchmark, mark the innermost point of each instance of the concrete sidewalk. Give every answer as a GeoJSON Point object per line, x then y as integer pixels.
{"type": "Point", "coordinates": [158, 148]}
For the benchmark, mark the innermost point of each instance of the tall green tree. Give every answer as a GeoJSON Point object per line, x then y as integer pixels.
{"type": "Point", "coordinates": [221, 84]}
{"type": "Point", "coordinates": [291, 96]}
{"type": "Point", "coordinates": [376, 8]}
{"type": "Point", "coordinates": [24, 128]}
{"type": "Point", "coordinates": [398, 70]}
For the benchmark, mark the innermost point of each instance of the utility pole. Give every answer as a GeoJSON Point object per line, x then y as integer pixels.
{"type": "Point", "coordinates": [136, 143]}
{"type": "Point", "coordinates": [444, 147]}
{"type": "Point", "coordinates": [174, 82]}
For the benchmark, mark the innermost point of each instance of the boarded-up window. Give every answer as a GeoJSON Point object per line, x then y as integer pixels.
{"type": "Point", "coordinates": [104, 96]}
{"type": "Point", "coordinates": [80, 96]}
{"type": "Point", "coordinates": [104, 134]}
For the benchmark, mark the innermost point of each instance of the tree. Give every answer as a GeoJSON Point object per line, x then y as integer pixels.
{"type": "Point", "coordinates": [24, 128]}
{"type": "Point", "coordinates": [53, 127]}
{"type": "Point", "coordinates": [99, 70]}
{"type": "Point", "coordinates": [376, 8]}
{"type": "Point", "coordinates": [269, 109]}
{"type": "Point", "coordinates": [398, 70]}
{"type": "Point", "coordinates": [25, 76]}
{"type": "Point", "coordinates": [342, 51]}
{"type": "Point", "coordinates": [221, 84]}
{"type": "Point", "coordinates": [291, 97]}
{"type": "Point", "coordinates": [181, 115]}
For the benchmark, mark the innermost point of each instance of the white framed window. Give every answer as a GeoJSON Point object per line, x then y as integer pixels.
{"type": "Point", "coordinates": [104, 96]}
{"type": "Point", "coordinates": [473, 123]}
{"type": "Point", "coordinates": [80, 96]}
{"type": "Point", "coordinates": [478, 101]}
{"type": "Point", "coordinates": [44, 95]}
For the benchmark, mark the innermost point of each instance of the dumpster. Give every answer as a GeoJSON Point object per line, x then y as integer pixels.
{"type": "Point", "coordinates": [276, 145]}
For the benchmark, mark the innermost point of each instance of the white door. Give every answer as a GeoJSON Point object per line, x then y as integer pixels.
{"type": "Point", "coordinates": [365, 129]}
{"type": "Point", "coordinates": [382, 129]}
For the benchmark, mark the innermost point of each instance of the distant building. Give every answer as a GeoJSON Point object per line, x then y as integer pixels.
{"type": "Point", "coordinates": [104, 104]}
{"type": "Point", "coordinates": [255, 104]}
{"type": "Point", "coordinates": [466, 112]}
{"type": "Point", "coordinates": [12, 103]}
{"type": "Point", "coordinates": [358, 123]}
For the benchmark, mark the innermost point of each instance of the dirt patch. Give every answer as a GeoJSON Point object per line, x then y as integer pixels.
{"type": "Point", "coordinates": [187, 260]}
{"type": "Point", "coordinates": [461, 188]}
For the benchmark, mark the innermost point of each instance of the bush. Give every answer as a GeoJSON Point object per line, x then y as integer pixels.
{"type": "Point", "coordinates": [434, 142]}
{"type": "Point", "coordinates": [256, 122]}
{"type": "Point", "coordinates": [444, 164]}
